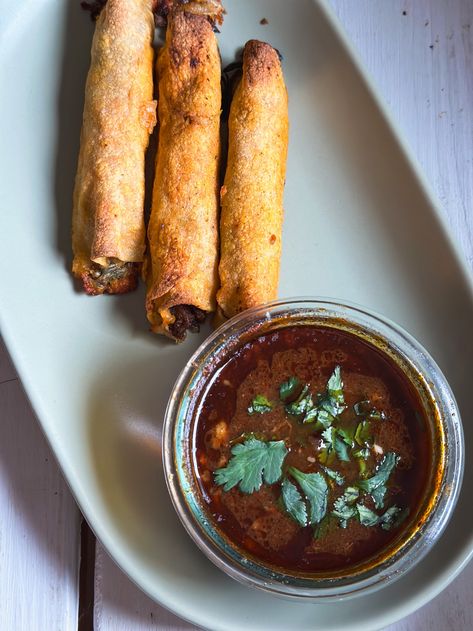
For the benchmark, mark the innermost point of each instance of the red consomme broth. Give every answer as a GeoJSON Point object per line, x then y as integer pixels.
{"type": "Point", "coordinates": [257, 523]}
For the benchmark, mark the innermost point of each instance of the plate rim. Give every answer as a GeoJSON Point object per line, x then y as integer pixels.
{"type": "Point", "coordinates": [428, 589]}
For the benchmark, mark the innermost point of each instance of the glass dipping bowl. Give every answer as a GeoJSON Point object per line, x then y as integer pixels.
{"type": "Point", "coordinates": [422, 529]}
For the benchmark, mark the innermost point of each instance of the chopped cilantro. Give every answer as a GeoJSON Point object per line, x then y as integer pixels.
{"type": "Point", "coordinates": [364, 408]}
{"type": "Point", "coordinates": [362, 453]}
{"type": "Point", "coordinates": [393, 517]}
{"type": "Point", "coordinates": [302, 404]}
{"type": "Point", "coordinates": [346, 435]}
{"type": "Point", "coordinates": [338, 477]}
{"type": "Point", "coordinates": [343, 508]}
{"type": "Point", "coordinates": [293, 502]}
{"type": "Point", "coordinates": [335, 388]}
{"type": "Point", "coordinates": [382, 474]}
{"type": "Point", "coordinates": [363, 434]}
{"type": "Point", "coordinates": [366, 516]}
{"type": "Point", "coordinates": [315, 488]}
{"type": "Point", "coordinates": [252, 462]}
{"type": "Point", "coordinates": [334, 443]}
{"type": "Point", "coordinates": [329, 405]}
{"type": "Point", "coordinates": [260, 405]}
{"type": "Point", "coordinates": [363, 468]}
{"type": "Point", "coordinates": [341, 449]}
{"type": "Point", "coordinates": [321, 529]}
{"type": "Point", "coordinates": [378, 496]}
{"type": "Point", "coordinates": [289, 389]}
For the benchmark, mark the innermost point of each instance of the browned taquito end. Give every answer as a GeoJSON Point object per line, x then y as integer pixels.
{"type": "Point", "coordinates": [181, 272]}
{"type": "Point", "coordinates": [252, 193]}
{"type": "Point", "coordinates": [108, 231]}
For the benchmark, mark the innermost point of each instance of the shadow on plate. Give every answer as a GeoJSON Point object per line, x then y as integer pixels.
{"type": "Point", "coordinates": [77, 38]}
{"type": "Point", "coordinates": [125, 439]}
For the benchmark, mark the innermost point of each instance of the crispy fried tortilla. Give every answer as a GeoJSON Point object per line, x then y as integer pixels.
{"type": "Point", "coordinates": [108, 232]}
{"type": "Point", "coordinates": [181, 272]}
{"type": "Point", "coordinates": [252, 194]}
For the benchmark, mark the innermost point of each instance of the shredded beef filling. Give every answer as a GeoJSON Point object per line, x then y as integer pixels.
{"type": "Point", "coordinates": [187, 318]}
{"type": "Point", "coordinates": [115, 278]}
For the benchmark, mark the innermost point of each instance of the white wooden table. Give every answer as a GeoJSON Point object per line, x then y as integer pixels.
{"type": "Point", "coordinates": [420, 53]}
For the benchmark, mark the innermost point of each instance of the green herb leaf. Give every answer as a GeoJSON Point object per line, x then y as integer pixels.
{"type": "Point", "coordinates": [321, 530]}
{"type": "Point", "coordinates": [346, 435]}
{"type": "Point", "coordinates": [334, 443]}
{"type": "Point", "coordinates": [364, 408]}
{"type": "Point", "coordinates": [302, 404]}
{"type": "Point", "coordinates": [312, 415]}
{"type": "Point", "coordinates": [338, 477]}
{"type": "Point", "coordinates": [362, 453]}
{"type": "Point", "coordinates": [329, 435]}
{"type": "Point", "coordinates": [293, 502]}
{"type": "Point", "coordinates": [315, 488]}
{"type": "Point", "coordinates": [388, 518]}
{"type": "Point", "coordinates": [377, 415]}
{"type": "Point", "coordinates": [343, 508]}
{"type": "Point", "coordinates": [363, 434]}
{"type": "Point", "coordinates": [329, 405]}
{"type": "Point", "coordinates": [341, 449]}
{"type": "Point", "coordinates": [366, 516]}
{"type": "Point", "coordinates": [260, 405]}
{"type": "Point", "coordinates": [378, 496]}
{"type": "Point", "coordinates": [289, 389]}
{"type": "Point", "coordinates": [323, 418]}
{"type": "Point", "coordinates": [363, 468]}
{"type": "Point", "coordinates": [252, 462]}
{"type": "Point", "coordinates": [393, 517]}
{"type": "Point", "coordinates": [382, 474]}
{"type": "Point", "coordinates": [335, 387]}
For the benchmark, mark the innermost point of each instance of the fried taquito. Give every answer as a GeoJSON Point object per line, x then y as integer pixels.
{"type": "Point", "coordinates": [252, 193]}
{"type": "Point", "coordinates": [108, 231]}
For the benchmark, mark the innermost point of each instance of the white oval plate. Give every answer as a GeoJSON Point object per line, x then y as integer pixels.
{"type": "Point", "coordinates": [360, 226]}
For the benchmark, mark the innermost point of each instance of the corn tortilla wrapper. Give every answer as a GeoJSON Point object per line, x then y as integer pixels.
{"type": "Point", "coordinates": [108, 233]}
{"type": "Point", "coordinates": [252, 194]}
{"type": "Point", "coordinates": [181, 271]}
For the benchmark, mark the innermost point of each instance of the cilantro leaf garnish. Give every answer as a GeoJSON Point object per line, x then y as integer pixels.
{"type": "Point", "coordinates": [315, 488]}
{"type": "Point", "coordinates": [382, 474]}
{"type": "Point", "coordinates": [341, 449]}
{"type": "Point", "coordinates": [289, 389]}
{"type": "Point", "coordinates": [293, 502]}
{"type": "Point", "coordinates": [362, 453]}
{"type": "Point", "coordinates": [330, 404]}
{"type": "Point", "coordinates": [364, 408]}
{"type": "Point", "coordinates": [321, 529]}
{"type": "Point", "coordinates": [378, 496]}
{"type": "Point", "coordinates": [346, 435]}
{"type": "Point", "coordinates": [363, 434]}
{"type": "Point", "coordinates": [302, 404]}
{"type": "Point", "coordinates": [337, 477]}
{"type": "Point", "coordinates": [260, 405]}
{"type": "Point", "coordinates": [366, 516]}
{"type": "Point", "coordinates": [343, 508]}
{"type": "Point", "coordinates": [333, 442]}
{"type": "Point", "coordinates": [335, 387]}
{"type": "Point", "coordinates": [393, 517]}
{"type": "Point", "coordinates": [252, 462]}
